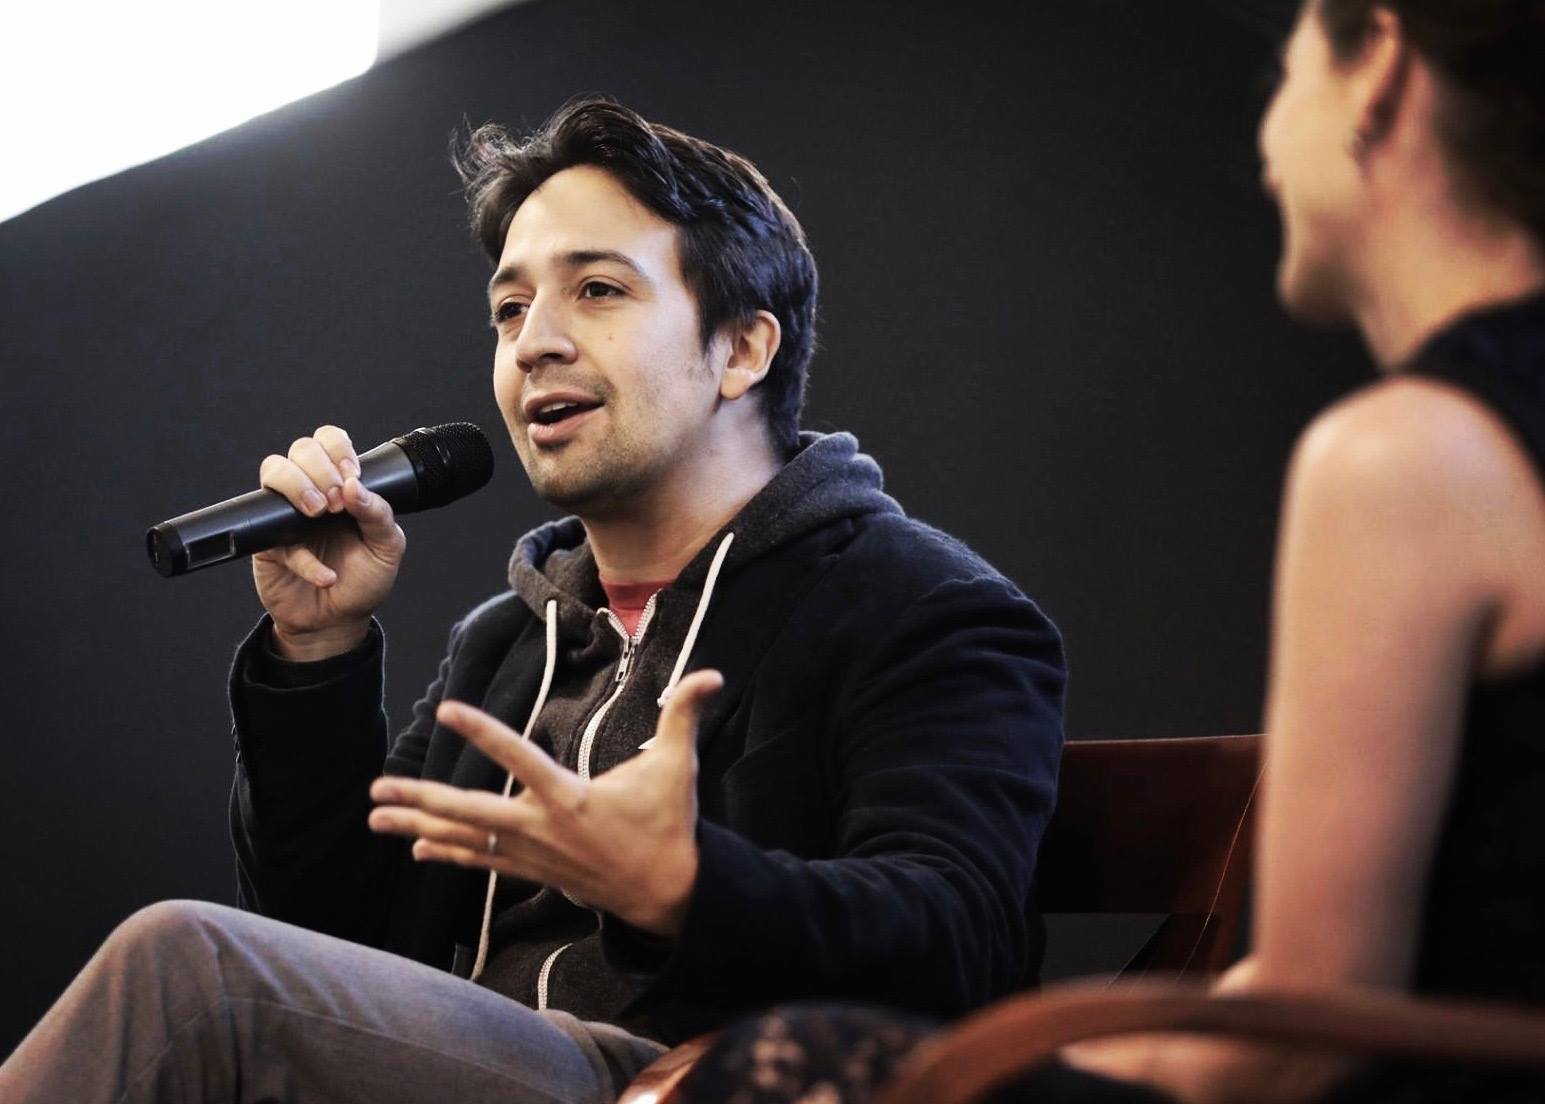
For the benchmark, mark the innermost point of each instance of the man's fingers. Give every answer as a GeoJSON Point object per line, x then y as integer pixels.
{"type": "Point", "coordinates": [311, 476]}
{"type": "Point", "coordinates": [531, 766]}
{"type": "Point", "coordinates": [398, 820]}
{"type": "Point", "coordinates": [478, 808]}
{"type": "Point", "coordinates": [308, 454]}
{"type": "Point", "coordinates": [507, 860]}
{"type": "Point", "coordinates": [373, 514]}
{"type": "Point", "coordinates": [304, 562]}
{"type": "Point", "coordinates": [429, 851]}
{"type": "Point", "coordinates": [454, 825]}
{"type": "Point", "coordinates": [335, 442]}
{"type": "Point", "coordinates": [677, 726]}
{"type": "Point", "coordinates": [279, 473]}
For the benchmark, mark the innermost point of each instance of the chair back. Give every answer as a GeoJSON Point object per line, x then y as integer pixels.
{"type": "Point", "coordinates": [1141, 826]}
{"type": "Point", "coordinates": [1156, 826]}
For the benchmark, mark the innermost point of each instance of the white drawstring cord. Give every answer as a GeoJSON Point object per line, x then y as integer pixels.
{"type": "Point", "coordinates": [697, 618]}
{"type": "Point", "coordinates": [541, 699]}
{"type": "Point", "coordinates": [509, 779]}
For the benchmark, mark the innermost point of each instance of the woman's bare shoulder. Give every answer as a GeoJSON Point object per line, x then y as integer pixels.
{"type": "Point", "coordinates": [1416, 442]}
{"type": "Point", "coordinates": [1430, 483]}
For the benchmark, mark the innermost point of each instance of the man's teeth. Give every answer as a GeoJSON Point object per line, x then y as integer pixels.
{"type": "Point", "coordinates": [554, 412]}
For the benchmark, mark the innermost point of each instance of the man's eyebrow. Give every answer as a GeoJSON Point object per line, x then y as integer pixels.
{"type": "Point", "coordinates": [575, 258]}
{"type": "Point", "coordinates": [581, 257]}
{"type": "Point", "coordinates": [507, 274]}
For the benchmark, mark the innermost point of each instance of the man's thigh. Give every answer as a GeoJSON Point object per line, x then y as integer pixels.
{"type": "Point", "coordinates": [377, 1027]}
{"type": "Point", "coordinates": [198, 1001]}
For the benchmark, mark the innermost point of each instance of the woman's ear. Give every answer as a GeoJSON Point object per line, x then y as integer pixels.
{"type": "Point", "coordinates": [752, 348]}
{"type": "Point", "coordinates": [1386, 68]}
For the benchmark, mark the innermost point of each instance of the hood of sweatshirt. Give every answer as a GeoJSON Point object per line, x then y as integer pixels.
{"type": "Point", "coordinates": [828, 479]}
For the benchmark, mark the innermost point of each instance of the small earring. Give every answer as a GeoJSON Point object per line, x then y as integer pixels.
{"type": "Point", "coordinates": [1361, 142]}
{"type": "Point", "coordinates": [1358, 144]}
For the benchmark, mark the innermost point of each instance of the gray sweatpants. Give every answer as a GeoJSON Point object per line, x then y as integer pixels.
{"type": "Point", "coordinates": [188, 1001]}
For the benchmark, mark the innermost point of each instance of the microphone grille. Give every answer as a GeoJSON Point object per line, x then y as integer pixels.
{"type": "Point", "coordinates": [452, 460]}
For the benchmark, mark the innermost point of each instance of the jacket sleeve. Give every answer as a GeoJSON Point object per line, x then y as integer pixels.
{"type": "Point", "coordinates": [945, 740]}
{"type": "Point", "coordinates": [310, 738]}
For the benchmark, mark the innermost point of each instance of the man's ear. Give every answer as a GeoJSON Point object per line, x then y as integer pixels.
{"type": "Point", "coordinates": [752, 347]}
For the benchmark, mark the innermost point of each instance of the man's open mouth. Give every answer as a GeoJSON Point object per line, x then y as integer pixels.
{"type": "Point", "coordinates": [555, 412]}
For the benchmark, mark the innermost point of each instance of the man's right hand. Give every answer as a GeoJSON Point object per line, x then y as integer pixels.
{"type": "Point", "coordinates": [321, 594]}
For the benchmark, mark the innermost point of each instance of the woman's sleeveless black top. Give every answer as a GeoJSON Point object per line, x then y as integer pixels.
{"type": "Point", "coordinates": [1483, 925]}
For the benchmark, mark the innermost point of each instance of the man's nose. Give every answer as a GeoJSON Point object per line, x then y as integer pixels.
{"type": "Point", "coordinates": [544, 335]}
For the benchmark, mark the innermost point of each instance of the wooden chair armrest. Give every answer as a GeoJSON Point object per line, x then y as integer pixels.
{"type": "Point", "coordinates": [656, 1083]}
{"type": "Point", "coordinates": [1018, 1034]}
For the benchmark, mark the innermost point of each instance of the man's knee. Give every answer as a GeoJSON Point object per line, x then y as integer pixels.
{"type": "Point", "coordinates": [167, 936]}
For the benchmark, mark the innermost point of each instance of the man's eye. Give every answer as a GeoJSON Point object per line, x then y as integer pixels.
{"type": "Point", "coordinates": [594, 289]}
{"type": "Point", "coordinates": [507, 311]}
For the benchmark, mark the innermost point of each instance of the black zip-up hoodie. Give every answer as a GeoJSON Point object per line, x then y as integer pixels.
{"type": "Point", "coordinates": [874, 777]}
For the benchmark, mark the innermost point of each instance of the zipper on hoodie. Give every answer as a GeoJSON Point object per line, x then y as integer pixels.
{"type": "Point", "coordinates": [624, 668]}
{"type": "Point", "coordinates": [587, 741]}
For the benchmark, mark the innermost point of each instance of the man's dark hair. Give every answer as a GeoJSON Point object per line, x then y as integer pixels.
{"type": "Point", "coordinates": [741, 249]}
{"type": "Point", "coordinates": [1489, 56]}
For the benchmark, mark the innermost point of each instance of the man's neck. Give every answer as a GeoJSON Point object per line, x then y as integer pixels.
{"type": "Point", "coordinates": [662, 531]}
{"type": "Point", "coordinates": [1410, 298]}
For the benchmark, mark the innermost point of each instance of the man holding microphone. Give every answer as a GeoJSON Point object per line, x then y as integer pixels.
{"type": "Point", "coordinates": [738, 732]}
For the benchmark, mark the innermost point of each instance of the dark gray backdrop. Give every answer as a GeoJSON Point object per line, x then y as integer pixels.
{"type": "Point", "coordinates": [1047, 310]}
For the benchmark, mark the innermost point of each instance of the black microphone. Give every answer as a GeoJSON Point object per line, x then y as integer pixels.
{"type": "Point", "coordinates": [417, 471]}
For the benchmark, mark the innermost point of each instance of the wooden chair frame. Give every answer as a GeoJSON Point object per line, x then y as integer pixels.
{"type": "Point", "coordinates": [1159, 826]}
{"type": "Point", "coordinates": [1142, 826]}
{"type": "Point", "coordinates": [1017, 1035]}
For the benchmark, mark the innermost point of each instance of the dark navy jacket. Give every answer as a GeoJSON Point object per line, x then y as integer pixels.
{"type": "Point", "coordinates": [875, 776]}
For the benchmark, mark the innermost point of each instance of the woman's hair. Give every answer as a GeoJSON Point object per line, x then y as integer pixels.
{"type": "Point", "coordinates": [740, 247]}
{"type": "Point", "coordinates": [1489, 56]}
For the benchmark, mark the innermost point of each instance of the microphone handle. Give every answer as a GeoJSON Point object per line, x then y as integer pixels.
{"type": "Point", "coordinates": [263, 518]}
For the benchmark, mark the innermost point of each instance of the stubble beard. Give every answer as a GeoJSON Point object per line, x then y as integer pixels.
{"type": "Point", "coordinates": [610, 475]}
{"type": "Point", "coordinates": [594, 482]}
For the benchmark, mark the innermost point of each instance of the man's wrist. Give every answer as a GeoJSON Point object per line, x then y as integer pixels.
{"type": "Point", "coordinates": [666, 915]}
{"type": "Point", "coordinates": [316, 645]}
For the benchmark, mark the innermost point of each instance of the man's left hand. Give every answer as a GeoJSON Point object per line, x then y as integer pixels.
{"type": "Point", "coordinates": [624, 842]}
